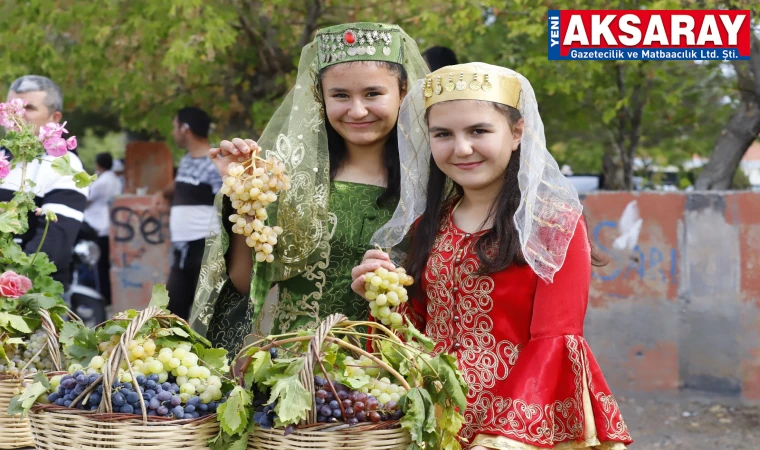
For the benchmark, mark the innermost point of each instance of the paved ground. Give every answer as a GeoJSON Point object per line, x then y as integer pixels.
{"type": "Point", "coordinates": [691, 421]}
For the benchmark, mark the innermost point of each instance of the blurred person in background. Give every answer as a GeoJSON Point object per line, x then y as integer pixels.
{"type": "Point", "coordinates": [192, 216]}
{"type": "Point", "coordinates": [97, 215]}
{"type": "Point", "coordinates": [54, 192]}
{"type": "Point", "coordinates": [437, 57]}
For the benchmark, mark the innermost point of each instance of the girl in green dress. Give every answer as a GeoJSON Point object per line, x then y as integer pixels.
{"type": "Point", "coordinates": [336, 134]}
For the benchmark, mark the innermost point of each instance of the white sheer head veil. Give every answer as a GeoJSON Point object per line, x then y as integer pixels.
{"type": "Point", "coordinates": [549, 209]}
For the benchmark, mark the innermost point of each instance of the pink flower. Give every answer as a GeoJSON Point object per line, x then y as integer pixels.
{"type": "Point", "coordinates": [71, 142]}
{"type": "Point", "coordinates": [52, 130]}
{"type": "Point", "coordinates": [12, 113]}
{"type": "Point", "coordinates": [55, 146]}
{"type": "Point", "coordinates": [5, 167]}
{"type": "Point", "coordinates": [13, 285]}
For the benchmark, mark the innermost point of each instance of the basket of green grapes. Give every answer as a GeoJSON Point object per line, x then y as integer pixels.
{"type": "Point", "coordinates": [346, 384]}
{"type": "Point", "coordinates": [28, 347]}
{"type": "Point", "coordinates": [143, 379]}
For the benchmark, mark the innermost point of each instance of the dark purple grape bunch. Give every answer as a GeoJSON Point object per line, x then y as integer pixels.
{"type": "Point", "coordinates": [358, 406]}
{"type": "Point", "coordinates": [161, 399]}
{"type": "Point", "coordinates": [72, 386]}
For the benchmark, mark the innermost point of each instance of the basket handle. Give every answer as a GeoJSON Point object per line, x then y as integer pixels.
{"type": "Point", "coordinates": [52, 338]}
{"type": "Point", "coordinates": [111, 366]}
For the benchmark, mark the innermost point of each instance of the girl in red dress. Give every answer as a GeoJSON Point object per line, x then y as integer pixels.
{"type": "Point", "coordinates": [501, 260]}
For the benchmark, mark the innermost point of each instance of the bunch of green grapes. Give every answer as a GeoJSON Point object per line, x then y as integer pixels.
{"type": "Point", "coordinates": [386, 290]}
{"type": "Point", "coordinates": [33, 354]}
{"type": "Point", "coordinates": [251, 187]}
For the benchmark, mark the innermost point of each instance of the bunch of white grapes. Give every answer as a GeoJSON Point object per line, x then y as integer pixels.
{"type": "Point", "coordinates": [34, 349]}
{"type": "Point", "coordinates": [385, 291]}
{"type": "Point", "coordinates": [251, 187]}
{"type": "Point", "coordinates": [178, 365]}
{"type": "Point", "coordinates": [384, 391]}
{"type": "Point", "coordinates": [361, 366]}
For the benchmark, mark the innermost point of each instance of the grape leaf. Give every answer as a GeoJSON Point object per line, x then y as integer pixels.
{"type": "Point", "coordinates": [293, 400]}
{"type": "Point", "coordinates": [356, 382]}
{"type": "Point", "coordinates": [258, 370]}
{"type": "Point", "coordinates": [41, 378]}
{"type": "Point", "coordinates": [179, 332]}
{"type": "Point", "coordinates": [15, 341]}
{"type": "Point", "coordinates": [14, 321]}
{"type": "Point", "coordinates": [216, 358]}
{"type": "Point", "coordinates": [21, 404]}
{"type": "Point", "coordinates": [414, 415]}
{"type": "Point", "coordinates": [79, 343]}
{"type": "Point", "coordinates": [160, 297]}
{"type": "Point", "coordinates": [169, 341]}
{"type": "Point", "coordinates": [410, 332]}
{"type": "Point", "coordinates": [234, 414]}
{"type": "Point", "coordinates": [443, 368]}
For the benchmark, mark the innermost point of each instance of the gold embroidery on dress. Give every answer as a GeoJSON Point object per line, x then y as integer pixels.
{"type": "Point", "coordinates": [486, 361]}
{"type": "Point", "coordinates": [615, 425]}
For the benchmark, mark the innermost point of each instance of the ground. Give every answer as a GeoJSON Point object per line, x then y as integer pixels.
{"type": "Point", "coordinates": [691, 421]}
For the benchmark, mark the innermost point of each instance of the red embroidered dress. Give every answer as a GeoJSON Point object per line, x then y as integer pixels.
{"type": "Point", "coordinates": [533, 380]}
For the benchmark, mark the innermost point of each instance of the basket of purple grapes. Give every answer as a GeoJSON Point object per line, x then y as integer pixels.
{"type": "Point", "coordinates": [147, 381]}
{"type": "Point", "coordinates": [339, 386]}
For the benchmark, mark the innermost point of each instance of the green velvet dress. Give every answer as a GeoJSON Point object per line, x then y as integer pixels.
{"type": "Point", "coordinates": [323, 288]}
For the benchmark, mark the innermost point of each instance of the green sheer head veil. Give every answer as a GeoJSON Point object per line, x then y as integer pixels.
{"type": "Point", "coordinates": [296, 135]}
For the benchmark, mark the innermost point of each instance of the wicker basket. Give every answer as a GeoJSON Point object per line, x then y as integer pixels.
{"type": "Point", "coordinates": [317, 436]}
{"type": "Point", "coordinates": [59, 428]}
{"type": "Point", "coordinates": [15, 432]}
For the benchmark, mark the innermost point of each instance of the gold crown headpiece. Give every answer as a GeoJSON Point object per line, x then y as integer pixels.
{"type": "Point", "coordinates": [471, 82]}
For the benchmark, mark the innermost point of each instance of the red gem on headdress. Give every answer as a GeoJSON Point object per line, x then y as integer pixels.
{"type": "Point", "coordinates": [349, 37]}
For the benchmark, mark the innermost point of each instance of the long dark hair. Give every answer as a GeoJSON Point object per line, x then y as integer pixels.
{"type": "Point", "coordinates": [336, 145]}
{"type": "Point", "coordinates": [498, 247]}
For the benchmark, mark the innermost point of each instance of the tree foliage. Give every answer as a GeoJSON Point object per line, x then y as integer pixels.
{"type": "Point", "coordinates": [134, 63]}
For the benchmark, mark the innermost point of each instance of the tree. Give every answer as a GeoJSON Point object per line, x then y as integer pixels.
{"type": "Point", "coordinates": [742, 128]}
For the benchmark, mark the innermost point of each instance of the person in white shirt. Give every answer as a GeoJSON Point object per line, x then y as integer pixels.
{"type": "Point", "coordinates": [97, 215]}
{"type": "Point", "coordinates": [54, 192]}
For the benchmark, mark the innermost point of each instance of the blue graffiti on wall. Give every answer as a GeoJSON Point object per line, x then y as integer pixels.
{"type": "Point", "coordinates": [644, 263]}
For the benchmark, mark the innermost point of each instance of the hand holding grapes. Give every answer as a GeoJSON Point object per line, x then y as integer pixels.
{"type": "Point", "coordinates": [373, 260]}
{"type": "Point", "coordinates": [236, 150]}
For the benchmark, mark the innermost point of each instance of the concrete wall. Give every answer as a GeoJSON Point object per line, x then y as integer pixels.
{"type": "Point", "coordinates": [682, 308]}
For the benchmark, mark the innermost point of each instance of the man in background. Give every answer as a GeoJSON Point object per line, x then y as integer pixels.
{"type": "Point", "coordinates": [192, 216]}
{"type": "Point", "coordinates": [54, 192]}
{"type": "Point", "coordinates": [97, 216]}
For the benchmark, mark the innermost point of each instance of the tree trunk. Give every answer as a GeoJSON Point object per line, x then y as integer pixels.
{"type": "Point", "coordinates": [742, 128]}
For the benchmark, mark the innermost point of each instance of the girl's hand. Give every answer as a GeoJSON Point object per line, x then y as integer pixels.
{"type": "Point", "coordinates": [373, 259]}
{"type": "Point", "coordinates": [237, 150]}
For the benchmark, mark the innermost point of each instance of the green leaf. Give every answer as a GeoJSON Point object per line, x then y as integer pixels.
{"type": "Point", "coordinates": [216, 358]}
{"type": "Point", "coordinates": [83, 179]}
{"type": "Point", "coordinates": [414, 415]}
{"type": "Point", "coordinates": [443, 369]}
{"type": "Point", "coordinates": [234, 413]}
{"type": "Point", "coordinates": [79, 343]}
{"type": "Point", "coordinates": [169, 341]}
{"type": "Point", "coordinates": [293, 400]}
{"type": "Point", "coordinates": [15, 321]}
{"type": "Point", "coordinates": [62, 166]}
{"type": "Point", "coordinates": [43, 301]}
{"type": "Point", "coordinates": [356, 382]}
{"type": "Point", "coordinates": [410, 332]}
{"type": "Point", "coordinates": [179, 332]}
{"type": "Point", "coordinates": [160, 297]}
{"type": "Point", "coordinates": [10, 223]}
{"type": "Point", "coordinates": [14, 341]}
{"type": "Point", "coordinates": [21, 404]}
{"type": "Point", "coordinates": [258, 370]}
{"type": "Point", "coordinates": [41, 378]}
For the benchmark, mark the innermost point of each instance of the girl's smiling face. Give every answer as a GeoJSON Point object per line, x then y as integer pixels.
{"type": "Point", "coordinates": [472, 142]}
